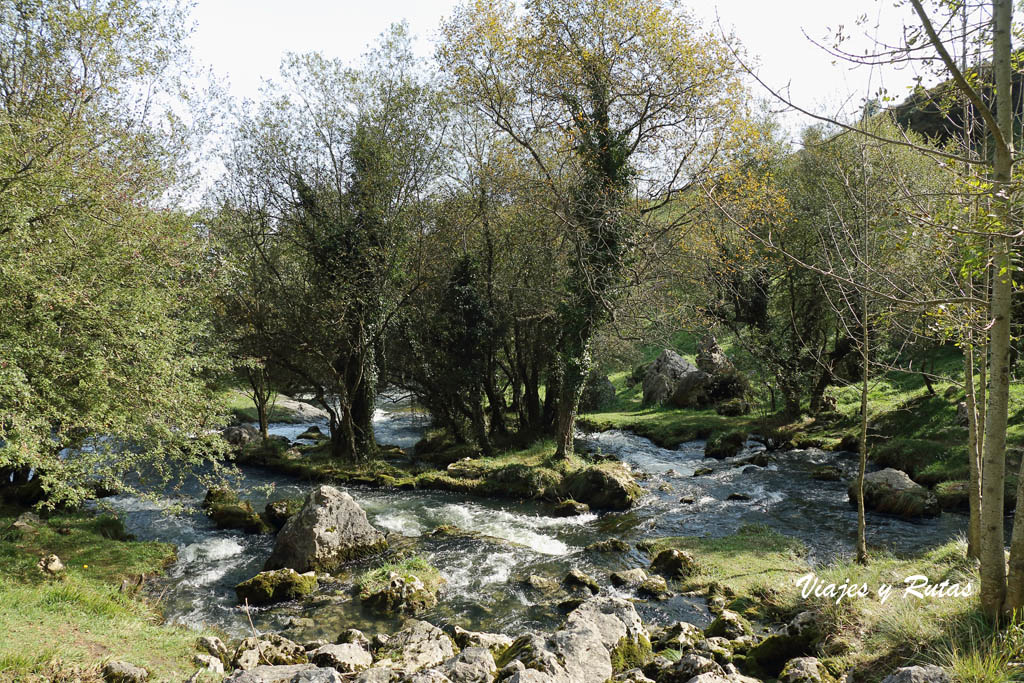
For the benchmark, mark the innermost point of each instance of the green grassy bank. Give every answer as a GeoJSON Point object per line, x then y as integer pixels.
{"type": "Point", "coordinates": [62, 628]}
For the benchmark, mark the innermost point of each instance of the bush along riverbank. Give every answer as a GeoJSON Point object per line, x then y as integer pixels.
{"type": "Point", "coordinates": [73, 598]}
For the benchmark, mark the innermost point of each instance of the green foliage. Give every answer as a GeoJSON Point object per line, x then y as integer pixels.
{"type": "Point", "coordinates": [320, 186]}
{"type": "Point", "coordinates": [104, 345]}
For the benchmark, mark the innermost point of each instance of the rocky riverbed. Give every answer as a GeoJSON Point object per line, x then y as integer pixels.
{"type": "Point", "coordinates": [504, 564]}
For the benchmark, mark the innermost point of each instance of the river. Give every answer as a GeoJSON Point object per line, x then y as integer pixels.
{"type": "Point", "coordinates": [484, 590]}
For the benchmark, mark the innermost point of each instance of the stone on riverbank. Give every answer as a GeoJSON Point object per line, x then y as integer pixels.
{"type": "Point", "coordinates": [629, 578]}
{"type": "Point", "coordinates": [269, 648]}
{"type": "Point", "coordinates": [663, 376]}
{"type": "Point", "coordinates": [918, 674]}
{"type": "Point", "coordinates": [346, 657]}
{"type": "Point", "coordinates": [674, 564]}
{"type": "Point", "coordinates": [805, 670]}
{"type": "Point", "coordinates": [276, 586]}
{"type": "Point", "coordinates": [227, 511]}
{"type": "Point", "coordinates": [729, 625]}
{"type": "Point", "coordinates": [265, 673]}
{"type": "Point", "coordinates": [123, 672]}
{"type": "Point", "coordinates": [894, 492]}
{"type": "Point", "coordinates": [328, 531]}
{"type": "Point", "coordinates": [471, 665]}
{"type": "Point", "coordinates": [495, 642]}
{"type": "Point", "coordinates": [419, 645]}
{"type": "Point", "coordinates": [580, 651]}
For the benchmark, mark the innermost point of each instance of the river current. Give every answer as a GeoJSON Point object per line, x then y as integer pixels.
{"type": "Point", "coordinates": [484, 589]}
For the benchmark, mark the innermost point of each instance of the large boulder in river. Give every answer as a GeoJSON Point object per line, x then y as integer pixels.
{"type": "Point", "coordinates": [893, 492]}
{"type": "Point", "coordinates": [607, 486]}
{"type": "Point", "coordinates": [329, 530]}
{"type": "Point", "coordinates": [666, 374]}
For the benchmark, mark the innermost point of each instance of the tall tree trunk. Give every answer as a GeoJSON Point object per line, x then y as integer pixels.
{"type": "Point", "coordinates": [993, 560]}
{"type": "Point", "coordinates": [574, 359]}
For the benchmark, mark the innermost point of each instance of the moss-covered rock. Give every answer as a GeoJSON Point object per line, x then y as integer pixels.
{"type": "Point", "coordinates": [312, 434]}
{"type": "Point", "coordinates": [725, 445]}
{"type": "Point", "coordinates": [734, 407]}
{"type": "Point", "coordinates": [526, 481]}
{"type": "Point", "coordinates": [571, 508]}
{"type": "Point", "coordinates": [655, 587]}
{"type": "Point", "coordinates": [953, 495]}
{"type": "Point", "coordinates": [892, 491]}
{"type": "Point", "coordinates": [223, 506]}
{"type": "Point", "coordinates": [674, 564]}
{"type": "Point", "coordinates": [277, 512]}
{"type": "Point", "coordinates": [276, 586]}
{"type": "Point", "coordinates": [729, 625]}
{"type": "Point", "coordinates": [406, 587]}
{"type": "Point", "coordinates": [631, 654]}
{"type": "Point", "coordinates": [576, 579]}
{"type": "Point", "coordinates": [608, 486]}
{"type": "Point", "coordinates": [611, 545]}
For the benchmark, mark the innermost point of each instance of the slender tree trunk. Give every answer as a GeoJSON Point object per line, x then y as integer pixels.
{"type": "Point", "coordinates": [975, 446]}
{"type": "Point", "coordinates": [862, 544]}
{"type": "Point", "coordinates": [993, 560]}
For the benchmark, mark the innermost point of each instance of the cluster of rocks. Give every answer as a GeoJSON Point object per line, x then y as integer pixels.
{"type": "Point", "coordinates": [714, 380]}
{"type": "Point", "coordinates": [602, 639]}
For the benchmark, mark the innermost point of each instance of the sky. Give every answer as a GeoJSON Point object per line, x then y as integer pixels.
{"type": "Point", "coordinates": [243, 40]}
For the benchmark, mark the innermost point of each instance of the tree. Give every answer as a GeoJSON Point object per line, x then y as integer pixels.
{"type": "Point", "coordinates": [621, 104]}
{"type": "Point", "coordinates": [337, 168]}
{"type": "Point", "coordinates": [104, 346]}
{"type": "Point", "coordinates": [986, 93]}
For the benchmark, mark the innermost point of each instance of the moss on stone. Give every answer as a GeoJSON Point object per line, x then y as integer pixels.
{"type": "Point", "coordinates": [408, 586]}
{"type": "Point", "coordinates": [237, 516]}
{"type": "Point", "coordinates": [276, 586]}
{"type": "Point", "coordinates": [725, 444]}
{"type": "Point", "coordinates": [631, 654]}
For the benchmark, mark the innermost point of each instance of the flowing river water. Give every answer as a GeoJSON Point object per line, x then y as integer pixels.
{"type": "Point", "coordinates": [484, 589]}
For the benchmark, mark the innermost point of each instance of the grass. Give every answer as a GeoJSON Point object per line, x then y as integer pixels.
{"type": "Point", "coordinates": [376, 580]}
{"type": "Point", "coordinates": [753, 563]}
{"type": "Point", "coordinates": [756, 572]}
{"type": "Point", "coordinates": [63, 628]}
{"type": "Point", "coordinates": [240, 405]}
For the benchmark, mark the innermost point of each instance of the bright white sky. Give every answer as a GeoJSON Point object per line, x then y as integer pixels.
{"type": "Point", "coordinates": [244, 40]}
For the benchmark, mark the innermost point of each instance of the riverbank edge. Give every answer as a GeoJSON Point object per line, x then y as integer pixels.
{"type": "Point", "coordinates": [66, 625]}
{"type": "Point", "coordinates": [531, 473]}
